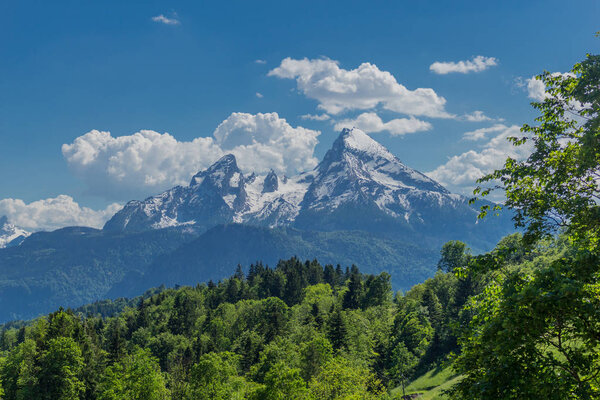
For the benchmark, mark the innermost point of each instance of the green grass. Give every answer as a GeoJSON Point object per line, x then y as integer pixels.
{"type": "Point", "coordinates": [431, 384]}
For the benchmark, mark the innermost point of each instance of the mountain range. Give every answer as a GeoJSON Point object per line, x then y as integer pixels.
{"type": "Point", "coordinates": [360, 205]}
{"type": "Point", "coordinates": [359, 185]}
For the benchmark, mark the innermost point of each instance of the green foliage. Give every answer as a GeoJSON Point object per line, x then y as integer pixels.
{"type": "Point", "coordinates": [340, 379]}
{"type": "Point", "coordinates": [277, 333]}
{"type": "Point", "coordinates": [557, 185]}
{"type": "Point", "coordinates": [535, 335]}
{"type": "Point", "coordinates": [215, 376]}
{"type": "Point", "coordinates": [282, 383]}
{"type": "Point", "coordinates": [136, 377]}
{"type": "Point", "coordinates": [454, 255]}
{"type": "Point", "coordinates": [60, 369]}
{"type": "Point", "coordinates": [535, 331]}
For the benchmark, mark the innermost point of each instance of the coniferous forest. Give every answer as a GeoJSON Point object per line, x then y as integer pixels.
{"type": "Point", "coordinates": [519, 322]}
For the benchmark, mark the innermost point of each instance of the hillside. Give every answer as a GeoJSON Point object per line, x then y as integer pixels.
{"type": "Point", "coordinates": [299, 330]}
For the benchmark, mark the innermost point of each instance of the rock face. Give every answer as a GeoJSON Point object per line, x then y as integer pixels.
{"type": "Point", "coordinates": [11, 235]}
{"type": "Point", "coordinates": [359, 185]}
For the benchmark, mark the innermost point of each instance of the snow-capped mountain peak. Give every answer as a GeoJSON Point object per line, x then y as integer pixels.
{"type": "Point", "coordinates": [357, 173]}
{"type": "Point", "coordinates": [10, 234]}
{"type": "Point", "coordinates": [355, 140]}
{"type": "Point", "coordinates": [220, 174]}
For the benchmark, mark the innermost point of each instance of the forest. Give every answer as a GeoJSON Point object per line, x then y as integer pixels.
{"type": "Point", "coordinates": [299, 330]}
{"type": "Point", "coordinates": [519, 322]}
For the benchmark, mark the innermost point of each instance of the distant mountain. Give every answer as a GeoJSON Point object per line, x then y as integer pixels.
{"type": "Point", "coordinates": [359, 185]}
{"type": "Point", "coordinates": [73, 266]}
{"type": "Point", "coordinates": [360, 205]}
{"type": "Point", "coordinates": [215, 254]}
{"type": "Point", "coordinates": [11, 235]}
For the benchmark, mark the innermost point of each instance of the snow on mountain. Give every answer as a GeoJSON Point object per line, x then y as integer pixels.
{"type": "Point", "coordinates": [11, 235]}
{"type": "Point", "coordinates": [357, 173]}
{"type": "Point", "coordinates": [358, 170]}
{"type": "Point", "coordinates": [220, 194]}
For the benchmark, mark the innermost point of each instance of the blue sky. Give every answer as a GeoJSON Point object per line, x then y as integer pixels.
{"type": "Point", "coordinates": [72, 67]}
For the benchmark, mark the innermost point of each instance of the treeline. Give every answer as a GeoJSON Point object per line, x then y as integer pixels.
{"type": "Point", "coordinates": [296, 331]}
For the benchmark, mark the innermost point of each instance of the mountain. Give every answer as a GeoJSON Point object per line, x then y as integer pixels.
{"type": "Point", "coordinates": [361, 205]}
{"type": "Point", "coordinates": [221, 194]}
{"type": "Point", "coordinates": [73, 266]}
{"type": "Point", "coordinates": [359, 185]}
{"type": "Point", "coordinates": [215, 253]}
{"type": "Point", "coordinates": [10, 235]}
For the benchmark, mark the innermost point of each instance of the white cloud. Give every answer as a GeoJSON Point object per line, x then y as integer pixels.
{"type": "Point", "coordinates": [536, 89]}
{"type": "Point", "coordinates": [259, 95]}
{"type": "Point", "coordinates": [460, 172]}
{"type": "Point", "coordinates": [161, 19]}
{"type": "Point", "coordinates": [136, 165]}
{"type": "Point", "coordinates": [481, 133]}
{"type": "Point", "coordinates": [260, 61]}
{"type": "Point", "coordinates": [54, 213]}
{"type": "Point", "coordinates": [264, 141]}
{"type": "Point", "coordinates": [371, 123]}
{"type": "Point", "coordinates": [146, 162]}
{"type": "Point", "coordinates": [476, 116]}
{"type": "Point", "coordinates": [476, 64]}
{"type": "Point", "coordinates": [363, 88]}
{"type": "Point", "coordinates": [316, 117]}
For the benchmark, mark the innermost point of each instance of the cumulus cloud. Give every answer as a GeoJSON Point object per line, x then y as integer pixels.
{"type": "Point", "coordinates": [260, 61]}
{"type": "Point", "coordinates": [481, 133]}
{"type": "Point", "coordinates": [460, 172]}
{"type": "Point", "coordinates": [536, 89]}
{"type": "Point", "coordinates": [54, 213]}
{"type": "Point", "coordinates": [147, 162]}
{"type": "Point", "coordinates": [161, 19]}
{"type": "Point", "coordinates": [371, 123]}
{"type": "Point", "coordinates": [264, 141]}
{"type": "Point", "coordinates": [476, 116]}
{"type": "Point", "coordinates": [316, 117]}
{"type": "Point", "coordinates": [138, 164]}
{"type": "Point", "coordinates": [338, 90]}
{"type": "Point", "coordinates": [259, 95]}
{"type": "Point", "coordinates": [476, 64]}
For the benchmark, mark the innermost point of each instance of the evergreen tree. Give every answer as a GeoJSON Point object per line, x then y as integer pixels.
{"type": "Point", "coordinates": [353, 297]}
{"type": "Point", "coordinates": [338, 333]}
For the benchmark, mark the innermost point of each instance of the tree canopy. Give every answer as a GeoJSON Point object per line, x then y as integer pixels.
{"type": "Point", "coordinates": [535, 332]}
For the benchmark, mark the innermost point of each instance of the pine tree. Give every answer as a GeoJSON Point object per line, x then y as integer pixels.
{"type": "Point", "coordinates": [353, 297]}
{"type": "Point", "coordinates": [338, 333]}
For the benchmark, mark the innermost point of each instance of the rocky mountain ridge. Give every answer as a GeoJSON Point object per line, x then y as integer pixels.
{"type": "Point", "coordinates": [359, 185]}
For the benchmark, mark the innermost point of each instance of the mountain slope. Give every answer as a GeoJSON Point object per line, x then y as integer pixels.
{"type": "Point", "coordinates": [212, 255]}
{"type": "Point", "coordinates": [73, 266]}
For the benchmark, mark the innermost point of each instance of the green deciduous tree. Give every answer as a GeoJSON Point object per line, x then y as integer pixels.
{"type": "Point", "coordinates": [60, 370]}
{"type": "Point", "coordinates": [557, 185]}
{"type": "Point", "coordinates": [215, 377]}
{"type": "Point", "coordinates": [135, 377]}
{"type": "Point", "coordinates": [537, 334]}
{"type": "Point", "coordinates": [340, 379]}
{"type": "Point", "coordinates": [453, 255]}
{"type": "Point", "coordinates": [20, 372]}
{"type": "Point", "coordinates": [282, 383]}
